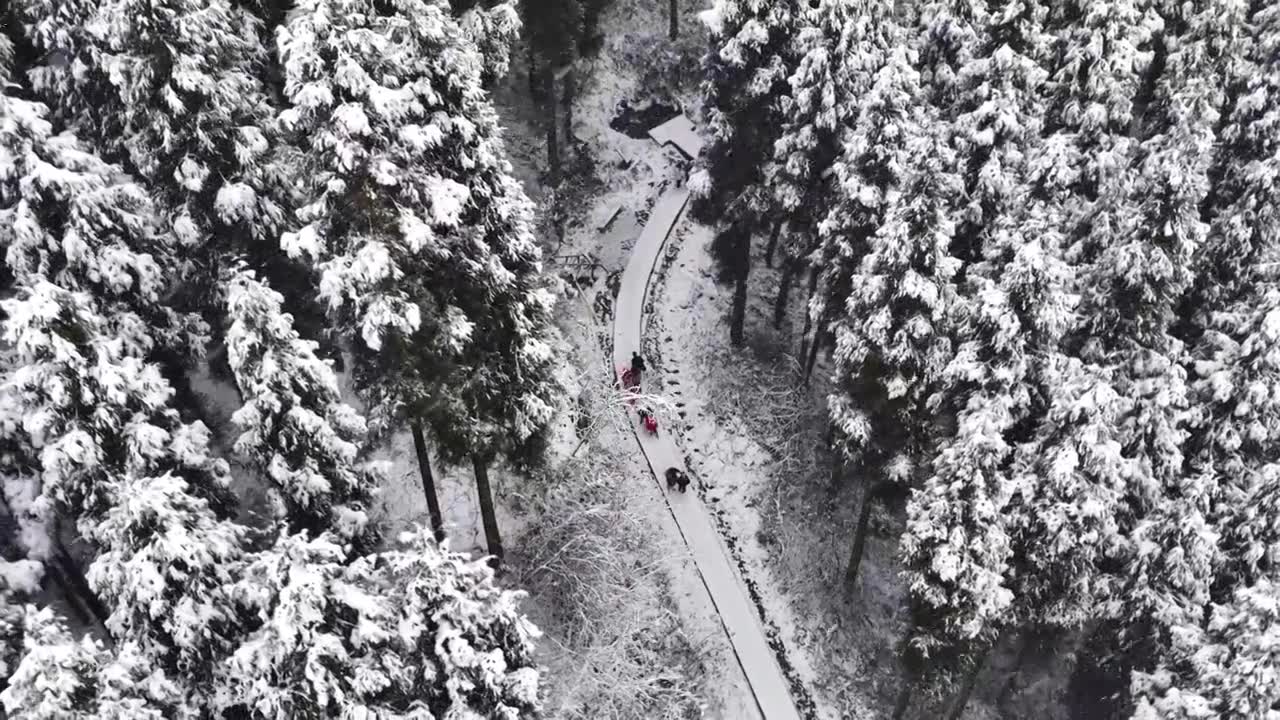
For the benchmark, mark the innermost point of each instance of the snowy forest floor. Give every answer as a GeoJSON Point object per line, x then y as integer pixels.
{"type": "Point", "coordinates": [753, 436]}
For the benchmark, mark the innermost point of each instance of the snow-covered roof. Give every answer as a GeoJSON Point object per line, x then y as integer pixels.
{"type": "Point", "coordinates": [678, 131]}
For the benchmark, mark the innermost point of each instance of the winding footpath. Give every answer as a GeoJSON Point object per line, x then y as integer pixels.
{"type": "Point", "coordinates": [719, 575]}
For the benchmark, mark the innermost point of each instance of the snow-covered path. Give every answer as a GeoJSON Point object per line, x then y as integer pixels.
{"type": "Point", "coordinates": [724, 586]}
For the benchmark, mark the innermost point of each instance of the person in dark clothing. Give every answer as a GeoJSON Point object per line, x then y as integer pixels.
{"type": "Point", "coordinates": [637, 369]}
{"type": "Point", "coordinates": [676, 478]}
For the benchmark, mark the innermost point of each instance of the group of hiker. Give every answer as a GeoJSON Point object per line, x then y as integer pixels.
{"type": "Point", "coordinates": [676, 478]}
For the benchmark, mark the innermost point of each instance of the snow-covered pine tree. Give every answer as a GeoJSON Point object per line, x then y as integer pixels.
{"type": "Point", "coordinates": [87, 423]}
{"type": "Point", "coordinates": [1131, 295]}
{"type": "Point", "coordinates": [1240, 191]}
{"type": "Point", "coordinates": [1071, 474]}
{"type": "Point", "coordinates": [1229, 670]}
{"type": "Point", "coordinates": [747, 70]}
{"type": "Point", "coordinates": [747, 76]}
{"type": "Point", "coordinates": [1136, 269]}
{"type": "Point", "coordinates": [997, 121]}
{"type": "Point", "coordinates": [492, 29]}
{"type": "Point", "coordinates": [896, 181]}
{"type": "Point", "coordinates": [1100, 69]}
{"type": "Point", "coordinates": [1220, 662]}
{"type": "Point", "coordinates": [67, 216]}
{"type": "Point", "coordinates": [423, 238]}
{"type": "Point", "coordinates": [950, 33]}
{"type": "Point", "coordinates": [888, 271]}
{"type": "Point", "coordinates": [19, 581]}
{"type": "Point", "coordinates": [423, 614]}
{"type": "Point", "coordinates": [172, 89]}
{"type": "Point", "coordinates": [69, 219]}
{"type": "Point", "coordinates": [1235, 421]}
{"type": "Point", "coordinates": [463, 626]}
{"type": "Point", "coordinates": [293, 422]}
{"type": "Point", "coordinates": [1069, 515]}
{"type": "Point", "coordinates": [836, 59]}
{"type": "Point", "coordinates": [411, 629]}
{"type": "Point", "coordinates": [1009, 312]}
{"type": "Point", "coordinates": [117, 459]}
{"type": "Point", "coordinates": [60, 678]}
{"type": "Point", "coordinates": [957, 544]}
{"type": "Point", "coordinates": [872, 77]}
{"type": "Point", "coordinates": [130, 465]}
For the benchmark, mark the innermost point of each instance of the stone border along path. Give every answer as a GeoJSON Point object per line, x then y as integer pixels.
{"type": "Point", "coordinates": [728, 592]}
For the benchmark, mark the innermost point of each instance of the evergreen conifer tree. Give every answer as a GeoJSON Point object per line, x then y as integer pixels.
{"type": "Point", "coordinates": [423, 238]}
{"type": "Point", "coordinates": [835, 61]}
{"type": "Point", "coordinates": [747, 70]}
{"type": "Point", "coordinates": [1235, 423]}
{"type": "Point", "coordinates": [172, 91]}
{"type": "Point", "coordinates": [1229, 670]}
{"type": "Point", "coordinates": [1219, 661]}
{"type": "Point", "coordinates": [293, 423]}
{"type": "Point", "coordinates": [19, 581]}
{"type": "Point", "coordinates": [117, 459]}
{"type": "Point", "coordinates": [493, 30]}
{"type": "Point", "coordinates": [1010, 309]}
{"type": "Point", "coordinates": [887, 268]}
{"type": "Point", "coordinates": [1131, 294]}
{"type": "Point", "coordinates": [62, 678]}
{"type": "Point", "coordinates": [1106, 53]}
{"type": "Point", "coordinates": [414, 629]}
{"type": "Point", "coordinates": [887, 240]}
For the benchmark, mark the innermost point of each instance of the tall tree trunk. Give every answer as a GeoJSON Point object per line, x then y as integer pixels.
{"type": "Point", "coordinates": [789, 268]}
{"type": "Point", "coordinates": [68, 574]}
{"type": "Point", "coordinates": [1025, 646]}
{"type": "Point", "coordinates": [567, 98]}
{"type": "Point", "coordinates": [491, 536]}
{"type": "Point", "coordinates": [739, 317]}
{"type": "Point", "coordinates": [53, 573]}
{"type": "Point", "coordinates": [673, 19]}
{"type": "Point", "coordinates": [808, 318]}
{"type": "Point", "coordinates": [1147, 90]}
{"type": "Point", "coordinates": [773, 242]}
{"type": "Point", "coordinates": [553, 134]}
{"type": "Point", "coordinates": [860, 535]}
{"type": "Point", "coordinates": [970, 681]}
{"type": "Point", "coordinates": [815, 342]}
{"type": "Point", "coordinates": [75, 590]}
{"type": "Point", "coordinates": [904, 698]}
{"type": "Point", "coordinates": [837, 469]}
{"type": "Point", "coordinates": [428, 480]}
{"type": "Point", "coordinates": [535, 89]}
